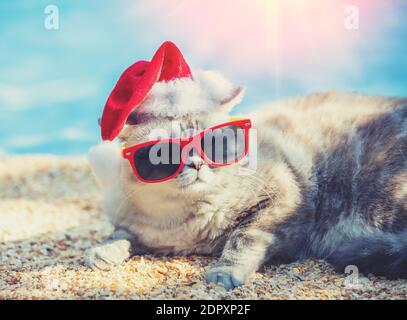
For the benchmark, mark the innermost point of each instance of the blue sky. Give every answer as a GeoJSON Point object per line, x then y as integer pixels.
{"type": "Point", "coordinates": [54, 83]}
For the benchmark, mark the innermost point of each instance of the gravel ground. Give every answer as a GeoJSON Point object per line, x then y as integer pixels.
{"type": "Point", "coordinates": [50, 214]}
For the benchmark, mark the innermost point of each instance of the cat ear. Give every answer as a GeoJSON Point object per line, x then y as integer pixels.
{"type": "Point", "coordinates": [236, 96]}
{"type": "Point", "coordinates": [221, 92]}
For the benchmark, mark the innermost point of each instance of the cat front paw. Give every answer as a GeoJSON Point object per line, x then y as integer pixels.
{"type": "Point", "coordinates": [230, 276]}
{"type": "Point", "coordinates": [107, 256]}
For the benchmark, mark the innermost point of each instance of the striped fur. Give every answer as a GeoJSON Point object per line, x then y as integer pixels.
{"type": "Point", "coordinates": [330, 183]}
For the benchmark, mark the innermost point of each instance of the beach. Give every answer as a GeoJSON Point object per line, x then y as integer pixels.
{"type": "Point", "coordinates": [50, 214]}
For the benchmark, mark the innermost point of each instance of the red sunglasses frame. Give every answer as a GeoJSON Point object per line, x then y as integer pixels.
{"type": "Point", "coordinates": [193, 143]}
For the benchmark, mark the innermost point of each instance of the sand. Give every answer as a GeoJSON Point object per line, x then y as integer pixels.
{"type": "Point", "coordinates": [50, 214]}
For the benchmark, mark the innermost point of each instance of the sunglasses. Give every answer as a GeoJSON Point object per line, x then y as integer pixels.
{"type": "Point", "coordinates": [161, 160]}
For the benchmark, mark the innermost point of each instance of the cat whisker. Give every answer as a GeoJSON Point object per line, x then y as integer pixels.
{"type": "Point", "coordinates": [271, 194]}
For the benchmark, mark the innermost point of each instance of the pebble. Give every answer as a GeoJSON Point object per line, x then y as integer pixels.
{"type": "Point", "coordinates": [50, 214]}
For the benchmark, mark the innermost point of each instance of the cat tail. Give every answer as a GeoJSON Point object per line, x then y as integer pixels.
{"type": "Point", "coordinates": [104, 159]}
{"type": "Point", "coordinates": [384, 255]}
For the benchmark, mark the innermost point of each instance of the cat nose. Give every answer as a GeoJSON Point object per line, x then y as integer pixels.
{"type": "Point", "coordinates": [195, 162]}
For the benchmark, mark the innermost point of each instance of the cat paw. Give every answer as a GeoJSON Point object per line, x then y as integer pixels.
{"type": "Point", "coordinates": [107, 256]}
{"type": "Point", "coordinates": [230, 276]}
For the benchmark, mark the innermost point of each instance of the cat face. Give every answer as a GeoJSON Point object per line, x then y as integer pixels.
{"type": "Point", "coordinates": [182, 108]}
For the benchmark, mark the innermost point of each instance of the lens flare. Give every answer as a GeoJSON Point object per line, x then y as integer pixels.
{"type": "Point", "coordinates": [258, 37]}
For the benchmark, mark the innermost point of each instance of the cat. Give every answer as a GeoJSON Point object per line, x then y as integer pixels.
{"type": "Point", "coordinates": [330, 183]}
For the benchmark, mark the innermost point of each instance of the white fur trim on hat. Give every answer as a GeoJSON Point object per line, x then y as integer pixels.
{"type": "Point", "coordinates": [184, 96]}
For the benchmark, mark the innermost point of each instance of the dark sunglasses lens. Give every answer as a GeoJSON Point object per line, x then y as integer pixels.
{"type": "Point", "coordinates": [157, 161]}
{"type": "Point", "coordinates": [224, 145]}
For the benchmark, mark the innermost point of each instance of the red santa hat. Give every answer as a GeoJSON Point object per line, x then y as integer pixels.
{"type": "Point", "coordinates": [136, 82]}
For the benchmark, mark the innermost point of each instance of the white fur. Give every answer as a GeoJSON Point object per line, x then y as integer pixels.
{"type": "Point", "coordinates": [204, 92]}
{"type": "Point", "coordinates": [176, 213]}
{"type": "Point", "coordinates": [104, 160]}
{"type": "Point", "coordinates": [188, 214]}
